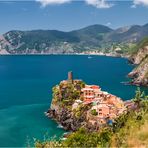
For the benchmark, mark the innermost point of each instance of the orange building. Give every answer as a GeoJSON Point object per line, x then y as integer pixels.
{"type": "Point", "coordinates": [90, 92]}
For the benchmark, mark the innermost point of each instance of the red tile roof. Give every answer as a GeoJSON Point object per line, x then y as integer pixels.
{"type": "Point", "coordinates": [95, 87]}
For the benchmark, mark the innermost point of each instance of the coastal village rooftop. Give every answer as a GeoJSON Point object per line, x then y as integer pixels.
{"type": "Point", "coordinates": [104, 106]}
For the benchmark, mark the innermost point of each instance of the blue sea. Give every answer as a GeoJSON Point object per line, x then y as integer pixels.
{"type": "Point", "coordinates": [25, 91]}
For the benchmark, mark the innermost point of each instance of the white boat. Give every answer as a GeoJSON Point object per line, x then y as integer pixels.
{"type": "Point", "coordinates": [89, 57]}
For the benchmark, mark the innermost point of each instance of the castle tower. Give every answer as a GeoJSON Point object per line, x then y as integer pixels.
{"type": "Point", "coordinates": [70, 76]}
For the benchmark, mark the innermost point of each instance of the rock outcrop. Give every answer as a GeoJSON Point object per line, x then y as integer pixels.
{"type": "Point", "coordinates": [140, 74]}
{"type": "Point", "coordinates": [3, 46]}
{"type": "Point", "coordinates": [64, 95]}
{"type": "Point", "coordinates": [76, 104]}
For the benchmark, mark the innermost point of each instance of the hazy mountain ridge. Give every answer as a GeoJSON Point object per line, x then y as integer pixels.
{"type": "Point", "coordinates": [133, 34]}
{"type": "Point", "coordinates": [95, 37]}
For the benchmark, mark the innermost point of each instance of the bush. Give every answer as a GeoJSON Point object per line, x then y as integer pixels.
{"type": "Point", "coordinates": [83, 138]}
{"type": "Point", "coordinates": [94, 112]}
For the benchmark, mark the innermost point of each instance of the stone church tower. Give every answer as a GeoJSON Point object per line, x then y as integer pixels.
{"type": "Point", "coordinates": [70, 77]}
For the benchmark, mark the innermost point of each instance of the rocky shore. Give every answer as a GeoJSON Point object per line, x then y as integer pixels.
{"type": "Point", "coordinates": [75, 104]}
{"type": "Point", "coordinates": [139, 75]}
{"type": "Point", "coordinates": [65, 118]}
{"type": "Point", "coordinates": [61, 111]}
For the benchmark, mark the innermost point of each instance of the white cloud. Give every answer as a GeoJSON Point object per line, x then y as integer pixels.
{"type": "Point", "coordinates": [44, 3]}
{"type": "Point", "coordinates": [99, 3]}
{"type": "Point", "coordinates": [139, 2]}
{"type": "Point", "coordinates": [95, 3]}
{"type": "Point", "coordinates": [108, 23]}
{"type": "Point", "coordinates": [133, 6]}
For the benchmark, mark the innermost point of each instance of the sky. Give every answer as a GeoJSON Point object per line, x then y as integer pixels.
{"type": "Point", "coordinates": [67, 15]}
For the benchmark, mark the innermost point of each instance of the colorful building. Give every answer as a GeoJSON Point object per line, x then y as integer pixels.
{"type": "Point", "coordinates": [106, 105]}
{"type": "Point", "coordinates": [91, 92]}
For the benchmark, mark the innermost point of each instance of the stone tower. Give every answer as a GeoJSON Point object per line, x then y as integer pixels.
{"type": "Point", "coordinates": [70, 77]}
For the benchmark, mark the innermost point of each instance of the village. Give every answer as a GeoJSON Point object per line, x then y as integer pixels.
{"type": "Point", "coordinates": [72, 96]}
{"type": "Point", "coordinates": [105, 107]}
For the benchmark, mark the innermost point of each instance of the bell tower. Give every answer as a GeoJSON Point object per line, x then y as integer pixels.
{"type": "Point", "coordinates": [70, 77]}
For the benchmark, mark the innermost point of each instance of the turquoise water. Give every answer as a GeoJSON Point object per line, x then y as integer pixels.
{"type": "Point", "coordinates": [25, 90]}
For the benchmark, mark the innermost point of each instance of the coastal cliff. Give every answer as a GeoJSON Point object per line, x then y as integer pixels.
{"type": "Point", "coordinates": [64, 96]}
{"type": "Point", "coordinates": [76, 104]}
{"type": "Point", "coordinates": [128, 129]}
{"type": "Point", "coordinates": [140, 73]}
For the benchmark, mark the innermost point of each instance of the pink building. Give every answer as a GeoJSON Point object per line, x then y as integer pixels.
{"type": "Point", "coordinates": [90, 92]}
{"type": "Point", "coordinates": [102, 109]}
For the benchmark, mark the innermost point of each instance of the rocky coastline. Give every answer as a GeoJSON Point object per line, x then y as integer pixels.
{"type": "Point", "coordinates": [139, 75]}
{"type": "Point", "coordinates": [76, 104]}
{"type": "Point", "coordinates": [4, 52]}
{"type": "Point", "coordinates": [61, 111]}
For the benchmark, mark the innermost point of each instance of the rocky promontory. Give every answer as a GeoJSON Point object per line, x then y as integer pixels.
{"type": "Point", "coordinates": [64, 96]}
{"type": "Point", "coordinates": [140, 58]}
{"type": "Point", "coordinates": [76, 104]}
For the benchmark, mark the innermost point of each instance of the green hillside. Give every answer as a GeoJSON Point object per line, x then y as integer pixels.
{"type": "Point", "coordinates": [98, 38]}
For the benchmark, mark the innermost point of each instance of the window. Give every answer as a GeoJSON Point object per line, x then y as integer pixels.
{"type": "Point", "coordinates": [100, 109]}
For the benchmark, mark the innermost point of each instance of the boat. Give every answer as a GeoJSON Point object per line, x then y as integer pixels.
{"type": "Point", "coordinates": [89, 57]}
{"type": "Point", "coordinates": [125, 83]}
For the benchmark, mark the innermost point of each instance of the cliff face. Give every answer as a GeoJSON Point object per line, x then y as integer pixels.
{"type": "Point", "coordinates": [140, 73]}
{"type": "Point", "coordinates": [3, 45]}
{"type": "Point", "coordinates": [76, 104]}
{"type": "Point", "coordinates": [61, 110]}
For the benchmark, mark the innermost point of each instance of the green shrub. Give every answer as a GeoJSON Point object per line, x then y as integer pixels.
{"type": "Point", "coordinates": [94, 112]}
